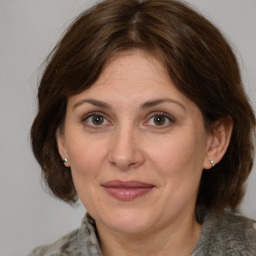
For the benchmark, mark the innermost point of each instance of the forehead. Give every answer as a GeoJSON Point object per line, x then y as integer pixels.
{"type": "Point", "coordinates": [132, 78]}
{"type": "Point", "coordinates": [133, 72]}
{"type": "Point", "coordinates": [133, 66]}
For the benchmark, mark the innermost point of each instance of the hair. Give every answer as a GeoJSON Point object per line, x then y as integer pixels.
{"type": "Point", "coordinates": [198, 60]}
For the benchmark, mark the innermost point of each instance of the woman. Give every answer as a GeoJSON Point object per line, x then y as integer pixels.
{"type": "Point", "coordinates": [143, 116]}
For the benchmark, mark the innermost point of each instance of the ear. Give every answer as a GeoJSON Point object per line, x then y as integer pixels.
{"type": "Point", "coordinates": [60, 138]}
{"type": "Point", "coordinates": [218, 141]}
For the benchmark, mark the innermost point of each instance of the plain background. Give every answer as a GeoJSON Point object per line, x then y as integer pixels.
{"type": "Point", "coordinates": [29, 29]}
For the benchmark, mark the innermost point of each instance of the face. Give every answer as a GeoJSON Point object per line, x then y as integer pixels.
{"type": "Point", "coordinates": [136, 147]}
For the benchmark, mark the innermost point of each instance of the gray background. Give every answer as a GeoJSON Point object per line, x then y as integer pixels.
{"type": "Point", "coordinates": [29, 30]}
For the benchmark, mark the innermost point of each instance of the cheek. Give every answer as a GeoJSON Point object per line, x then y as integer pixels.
{"type": "Point", "coordinates": [179, 160]}
{"type": "Point", "coordinates": [86, 160]}
{"type": "Point", "coordinates": [86, 157]}
{"type": "Point", "coordinates": [173, 154]}
{"type": "Point", "coordinates": [180, 168]}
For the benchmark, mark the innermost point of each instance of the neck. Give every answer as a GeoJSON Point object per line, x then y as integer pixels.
{"type": "Point", "coordinates": [175, 239]}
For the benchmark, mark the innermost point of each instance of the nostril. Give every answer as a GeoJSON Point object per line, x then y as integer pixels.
{"type": "Point", "coordinates": [123, 164]}
{"type": "Point", "coordinates": [126, 162]}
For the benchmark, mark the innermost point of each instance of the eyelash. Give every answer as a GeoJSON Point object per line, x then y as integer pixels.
{"type": "Point", "coordinates": [170, 118]}
{"type": "Point", "coordinates": [85, 118]}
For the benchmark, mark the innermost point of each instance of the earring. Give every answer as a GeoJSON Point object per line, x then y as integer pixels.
{"type": "Point", "coordinates": [65, 160]}
{"type": "Point", "coordinates": [212, 163]}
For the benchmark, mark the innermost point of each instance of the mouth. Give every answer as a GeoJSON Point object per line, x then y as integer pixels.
{"type": "Point", "coordinates": [127, 190]}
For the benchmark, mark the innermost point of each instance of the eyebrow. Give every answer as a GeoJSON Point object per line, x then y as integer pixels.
{"type": "Point", "coordinates": [96, 103]}
{"type": "Point", "coordinates": [155, 102]}
{"type": "Point", "coordinates": [147, 104]}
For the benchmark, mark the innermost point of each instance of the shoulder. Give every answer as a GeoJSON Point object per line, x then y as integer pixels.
{"type": "Point", "coordinates": [227, 234]}
{"type": "Point", "coordinates": [82, 241]}
{"type": "Point", "coordinates": [66, 244]}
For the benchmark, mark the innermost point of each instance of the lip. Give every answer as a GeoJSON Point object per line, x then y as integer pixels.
{"type": "Point", "coordinates": [127, 190]}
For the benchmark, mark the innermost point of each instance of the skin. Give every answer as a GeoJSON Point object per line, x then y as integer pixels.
{"type": "Point", "coordinates": [135, 137]}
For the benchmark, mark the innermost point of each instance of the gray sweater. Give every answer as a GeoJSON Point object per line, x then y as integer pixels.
{"type": "Point", "coordinates": [222, 234]}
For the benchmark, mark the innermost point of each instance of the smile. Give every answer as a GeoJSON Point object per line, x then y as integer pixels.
{"type": "Point", "coordinates": [127, 190]}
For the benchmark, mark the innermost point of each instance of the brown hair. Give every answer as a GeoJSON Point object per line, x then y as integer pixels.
{"type": "Point", "coordinates": [198, 60]}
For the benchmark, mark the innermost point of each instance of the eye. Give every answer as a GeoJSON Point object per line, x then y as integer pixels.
{"type": "Point", "coordinates": [160, 120]}
{"type": "Point", "coordinates": [95, 119]}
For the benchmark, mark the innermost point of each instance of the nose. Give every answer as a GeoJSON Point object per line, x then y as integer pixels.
{"type": "Point", "coordinates": [126, 152]}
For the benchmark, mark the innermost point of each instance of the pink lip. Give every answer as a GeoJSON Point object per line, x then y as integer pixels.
{"type": "Point", "coordinates": [127, 190]}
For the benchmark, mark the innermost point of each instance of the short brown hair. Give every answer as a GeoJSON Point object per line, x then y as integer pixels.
{"type": "Point", "coordinates": [197, 58]}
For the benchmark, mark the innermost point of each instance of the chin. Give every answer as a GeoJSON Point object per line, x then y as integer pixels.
{"type": "Point", "coordinates": [127, 221]}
